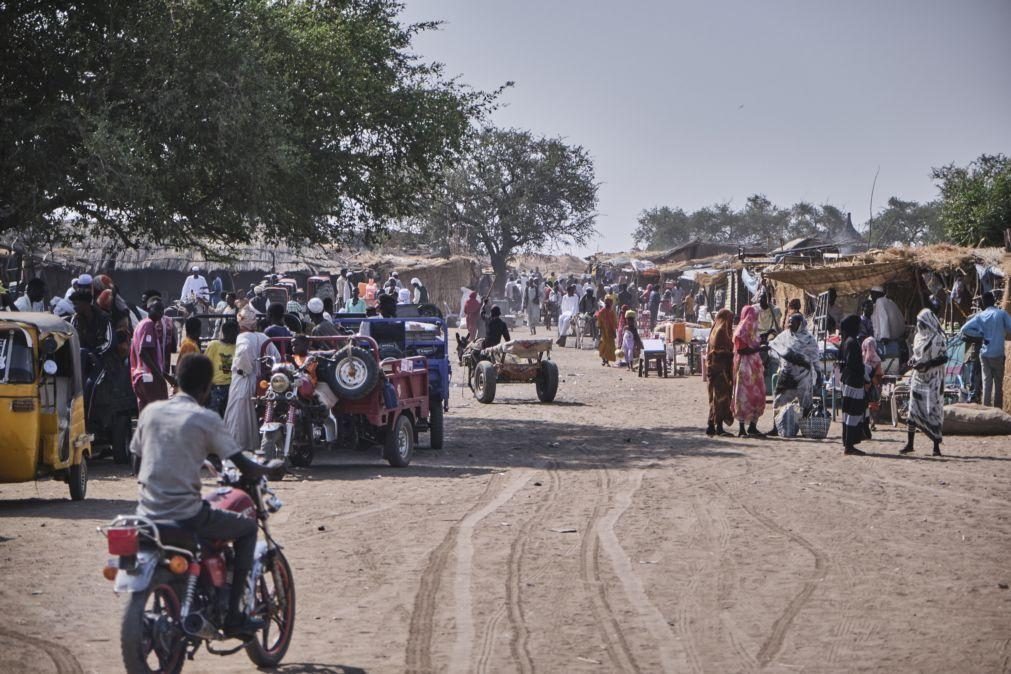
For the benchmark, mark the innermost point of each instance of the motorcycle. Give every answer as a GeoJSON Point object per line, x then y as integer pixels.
{"type": "Point", "coordinates": [294, 422]}
{"type": "Point", "coordinates": [179, 586]}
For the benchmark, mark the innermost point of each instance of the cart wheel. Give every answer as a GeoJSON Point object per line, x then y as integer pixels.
{"type": "Point", "coordinates": [121, 432]}
{"type": "Point", "coordinates": [436, 420]}
{"type": "Point", "coordinates": [356, 373]}
{"type": "Point", "coordinates": [78, 479]}
{"type": "Point", "coordinates": [547, 382]}
{"type": "Point", "coordinates": [399, 445]}
{"type": "Point", "coordinates": [484, 382]}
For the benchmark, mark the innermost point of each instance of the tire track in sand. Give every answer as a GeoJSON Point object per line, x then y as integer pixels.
{"type": "Point", "coordinates": [656, 624]}
{"type": "Point", "coordinates": [782, 625]}
{"type": "Point", "coordinates": [518, 642]}
{"type": "Point", "coordinates": [463, 646]}
{"type": "Point", "coordinates": [63, 659]}
{"type": "Point", "coordinates": [419, 637]}
{"type": "Point", "coordinates": [589, 557]}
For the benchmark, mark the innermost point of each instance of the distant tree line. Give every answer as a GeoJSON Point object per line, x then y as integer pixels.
{"type": "Point", "coordinates": [974, 208]}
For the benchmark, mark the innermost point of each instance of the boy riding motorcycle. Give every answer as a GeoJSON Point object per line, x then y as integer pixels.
{"type": "Point", "coordinates": [172, 440]}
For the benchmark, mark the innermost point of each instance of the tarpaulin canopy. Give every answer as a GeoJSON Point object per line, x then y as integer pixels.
{"type": "Point", "coordinates": [847, 280]}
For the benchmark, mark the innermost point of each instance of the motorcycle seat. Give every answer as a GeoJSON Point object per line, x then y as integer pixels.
{"type": "Point", "coordinates": [176, 536]}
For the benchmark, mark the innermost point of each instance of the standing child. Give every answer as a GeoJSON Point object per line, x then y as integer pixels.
{"type": "Point", "coordinates": [221, 351]}
{"type": "Point", "coordinates": [631, 345]}
{"type": "Point", "coordinates": [191, 342]}
{"type": "Point", "coordinates": [872, 367]}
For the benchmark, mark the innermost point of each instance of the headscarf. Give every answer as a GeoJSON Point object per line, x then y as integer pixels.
{"type": "Point", "coordinates": [630, 315]}
{"type": "Point", "coordinates": [850, 326]}
{"type": "Point", "coordinates": [472, 306]}
{"type": "Point", "coordinates": [102, 282]}
{"type": "Point", "coordinates": [721, 338]}
{"type": "Point", "coordinates": [105, 300]}
{"type": "Point", "coordinates": [870, 352]}
{"type": "Point", "coordinates": [404, 296]}
{"type": "Point", "coordinates": [247, 318]}
{"type": "Point", "coordinates": [800, 342]}
{"type": "Point", "coordinates": [929, 342]}
{"type": "Point", "coordinates": [747, 330]}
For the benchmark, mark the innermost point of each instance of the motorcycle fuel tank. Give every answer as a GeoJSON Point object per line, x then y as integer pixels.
{"type": "Point", "coordinates": [234, 500]}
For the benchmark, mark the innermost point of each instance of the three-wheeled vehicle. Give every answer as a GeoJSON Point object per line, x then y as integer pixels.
{"type": "Point", "coordinates": [381, 402]}
{"type": "Point", "coordinates": [42, 424]}
{"type": "Point", "coordinates": [517, 361]}
{"type": "Point", "coordinates": [418, 333]}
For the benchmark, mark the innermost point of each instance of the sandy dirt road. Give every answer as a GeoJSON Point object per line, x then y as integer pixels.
{"type": "Point", "coordinates": [601, 533]}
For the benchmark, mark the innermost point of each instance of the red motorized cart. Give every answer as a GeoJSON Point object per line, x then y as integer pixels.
{"type": "Point", "coordinates": [378, 402]}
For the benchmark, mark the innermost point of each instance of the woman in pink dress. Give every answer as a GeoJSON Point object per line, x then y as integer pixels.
{"type": "Point", "coordinates": [472, 314]}
{"type": "Point", "coordinates": [749, 375]}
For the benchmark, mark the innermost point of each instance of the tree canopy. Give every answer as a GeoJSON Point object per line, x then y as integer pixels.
{"type": "Point", "coordinates": [906, 222]}
{"type": "Point", "coordinates": [204, 123]}
{"type": "Point", "coordinates": [515, 192]}
{"type": "Point", "coordinates": [762, 224]}
{"type": "Point", "coordinates": [976, 200]}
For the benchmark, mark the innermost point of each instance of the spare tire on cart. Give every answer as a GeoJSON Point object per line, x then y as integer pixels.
{"type": "Point", "coordinates": [355, 373]}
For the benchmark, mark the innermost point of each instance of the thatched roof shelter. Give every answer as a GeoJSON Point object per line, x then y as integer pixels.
{"type": "Point", "coordinates": [165, 268]}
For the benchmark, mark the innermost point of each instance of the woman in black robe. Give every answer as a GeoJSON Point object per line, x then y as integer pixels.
{"type": "Point", "coordinates": [854, 405]}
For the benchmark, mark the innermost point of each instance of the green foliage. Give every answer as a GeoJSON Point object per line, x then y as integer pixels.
{"type": "Point", "coordinates": [514, 192]}
{"type": "Point", "coordinates": [976, 200]}
{"type": "Point", "coordinates": [207, 122]}
{"type": "Point", "coordinates": [760, 224]}
{"type": "Point", "coordinates": [906, 223]}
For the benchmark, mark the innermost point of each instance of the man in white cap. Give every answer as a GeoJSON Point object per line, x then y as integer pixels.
{"type": "Point", "coordinates": [321, 327]}
{"type": "Point", "coordinates": [195, 288]}
{"type": "Point", "coordinates": [82, 282]}
{"type": "Point", "coordinates": [420, 291]}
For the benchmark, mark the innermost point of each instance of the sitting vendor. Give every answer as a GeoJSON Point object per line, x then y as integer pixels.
{"type": "Point", "coordinates": [301, 357]}
{"type": "Point", "coordinates": [498, 331]}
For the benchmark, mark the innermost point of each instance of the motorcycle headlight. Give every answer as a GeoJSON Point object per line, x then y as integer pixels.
{"type": "Point", "coordinates": [279, 383]}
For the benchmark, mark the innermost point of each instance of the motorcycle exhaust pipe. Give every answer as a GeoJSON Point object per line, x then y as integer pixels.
{"type": "Point", "coordinates": [196, 625]}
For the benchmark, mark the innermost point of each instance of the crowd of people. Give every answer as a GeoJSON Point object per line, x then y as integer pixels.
{"type": "Point", "coordinates": [749, 357]}
{"type": "Point", "coordinates": [144, 340]}
{"type": "Point", "coordinates": [756, 354]}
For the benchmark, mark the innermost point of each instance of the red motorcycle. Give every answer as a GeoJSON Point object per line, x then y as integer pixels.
{"type": "Point", "coordinates": [179, 586]}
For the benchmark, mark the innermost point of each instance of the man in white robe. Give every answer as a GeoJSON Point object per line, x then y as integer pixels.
{"type": "Point", "coordinates": [567, 309]}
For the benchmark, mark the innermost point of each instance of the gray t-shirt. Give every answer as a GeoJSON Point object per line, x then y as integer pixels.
{"type": "Point", "coordinates": [173, 439]}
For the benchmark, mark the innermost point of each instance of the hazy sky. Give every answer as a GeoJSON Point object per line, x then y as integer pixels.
{"type": "Point", "coordinates": [690, 103]}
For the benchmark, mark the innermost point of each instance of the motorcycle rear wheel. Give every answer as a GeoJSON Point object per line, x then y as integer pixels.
{"type": "Point", "coordinates": [275, 604]}
{"type": "Point", "coordinates": [153, 631]}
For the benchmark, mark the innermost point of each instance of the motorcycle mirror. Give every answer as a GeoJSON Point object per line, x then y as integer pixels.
{"type": "Point", "coordinates": [50, 367]}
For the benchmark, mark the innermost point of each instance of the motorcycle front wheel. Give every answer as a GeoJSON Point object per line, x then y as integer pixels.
{"type": "Point", "coordinates": [151, 637]}
{"type": "Point", "coordinates": [274, 602]}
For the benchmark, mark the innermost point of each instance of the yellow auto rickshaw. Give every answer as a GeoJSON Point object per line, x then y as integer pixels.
{"type": "Point", "coordinates": [42, 425]}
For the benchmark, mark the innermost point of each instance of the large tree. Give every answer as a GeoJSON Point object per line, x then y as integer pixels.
{"type": "Point", "coordinates": [906, 223]}
{"type": "Point", "coordinates": [976, 200]}
{"type": "Point", "coordinates": [515, 192]}
{"type": "Point", "coordinates": [205, 123]}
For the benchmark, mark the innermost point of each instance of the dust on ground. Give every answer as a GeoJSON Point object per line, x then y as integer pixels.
{"type": "Point", "coordinates": [604, 532]}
